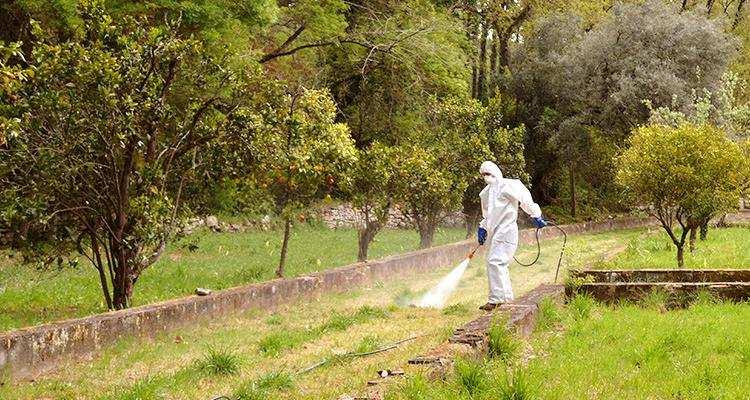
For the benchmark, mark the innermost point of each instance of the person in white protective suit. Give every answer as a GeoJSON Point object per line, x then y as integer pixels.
{"type": "Point", "coordinates": [500, 200]}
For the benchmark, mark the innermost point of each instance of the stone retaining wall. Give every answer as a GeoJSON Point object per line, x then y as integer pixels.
{"type": "Point", "coordinates": [660, 275]}
{"type": "Point", "coordinates": [29, 352]}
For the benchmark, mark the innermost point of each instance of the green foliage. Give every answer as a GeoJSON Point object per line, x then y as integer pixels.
{"type": "Point", "coordinates": [725, 108]}
{"type": "Point", "coordinates": [439, 161]}
{"type": "Point", "coordinates": [11, 84]}
{"type": "Point", "coordinates": [385, 95]}
{"type": "Point", "coordinates": [372, 191]}
{"type": "Point", "coordinates": [685, 174]}
{"type": "Point", "coordinates": [111, 124]}
{"type": "Point", "coordinates": [581, 87]}
{"type": "Point", "coordinates": [302, 150]}
{"type": "Point", "coordinates": [302, 154]}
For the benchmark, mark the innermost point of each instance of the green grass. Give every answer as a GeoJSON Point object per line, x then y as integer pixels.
{"type": "Point", "coordinates": [471, 376]}
{"type": "Point", "coordinates": [275, 343]}
{"type": "Point", "coordinates": [30, 296]}
{"type": "Point", "coordinates": [165, 368]}
{"type": "Point", "coordinates": [641, 351]}
{"type": "Point", "coordinates": [456, 309]}
{"type": "Point", "coordinates": [724, 248]}
{"type": "Point", "coordinates": [634, 351]}
{"type": "Point", "coordinates": [501, 343]}
{"type": "Point", "coordinates": [220, 362]}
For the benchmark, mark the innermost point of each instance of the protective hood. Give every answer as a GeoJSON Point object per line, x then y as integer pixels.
{"type": "Point", "coordinates": [493, 183]}
{"type": "Point", "coordinates": [493, 169]}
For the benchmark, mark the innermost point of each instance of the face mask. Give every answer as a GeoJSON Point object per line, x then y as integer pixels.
{"type": "Point", "coordinates": [489, 179]}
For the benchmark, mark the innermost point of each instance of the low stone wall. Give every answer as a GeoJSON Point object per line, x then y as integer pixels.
{"type": "Point", "coordinates": [344, 216]}
{"type": "Point", "coordinates": [660, 275]}
{"type": "Point", "coordinates": [29, 352]}
{"type": "Point", "coordinates": [679, 286]}
{"type": "Point", "coordinates": [676, 294]}
{"type": "Point", "coordinates": [520, 314]}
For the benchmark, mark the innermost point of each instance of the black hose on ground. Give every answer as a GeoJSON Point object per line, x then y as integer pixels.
{"type": "Point", "coordinates": [539, 249]}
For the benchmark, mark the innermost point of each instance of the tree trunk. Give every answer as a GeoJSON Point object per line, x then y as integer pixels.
{"type": "Point", "coordinates": [738, 14]}
{"type": "Point", "coordinates": [482, 66]}
{"type": "Point", "coordinates": [366, 235]}
{"type": "Point", "coordinates": [426, 234]}
{"type": "Point", "coordinates": [573, 200]}
{"type": "Point", "coordinates": [122, 286]}
{"type": "Point", "coordinates": [284, 247]}
{"type": "Point", "coordinates": [474, 82]}
{"type": "Point", "coordinates": [692, 238]}
{"type": "Point", "coordinates": [681, 245]}
{"type": "Point", "coordinates": [493, 74]}
{"type": "Point", "coordinates": [709, 6]}
{"type": "Point", "coordinates": [721, 223]}
{"type": "Point", "coordinates": [472, 218]}
{"type": "Point", "coordinates": [704, 230]}
{"type": "Point", "coordinates": [100, 268]}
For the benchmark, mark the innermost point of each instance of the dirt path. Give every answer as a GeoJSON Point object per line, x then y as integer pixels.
{"type": "Point", "coordinates": [299, 335]}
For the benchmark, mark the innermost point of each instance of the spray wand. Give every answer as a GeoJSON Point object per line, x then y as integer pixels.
{"type": "Point", "coordinates": [473, 250]}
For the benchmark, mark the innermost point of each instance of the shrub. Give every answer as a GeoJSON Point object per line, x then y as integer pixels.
{"type": "Point", "coordinates": [685, 175]}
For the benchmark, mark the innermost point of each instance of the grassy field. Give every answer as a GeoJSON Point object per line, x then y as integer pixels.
{"type": "Point", "coordinates": [591, 351]}
{"type": "Point", "coordinates": [632, 351]}
{"type": "Point", "coordinates": [724, 248]}
{"type": "Point", "coordinates": [258, 355]}
{"type": "Point", "coordinates": [29, 296]}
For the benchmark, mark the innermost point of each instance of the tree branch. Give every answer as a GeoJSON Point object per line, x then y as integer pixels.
{"type": "Point", "coordinates": [278, 52]}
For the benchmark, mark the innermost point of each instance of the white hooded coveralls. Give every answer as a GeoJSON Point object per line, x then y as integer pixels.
{"type": "Point", "coordinates": [500, 201]}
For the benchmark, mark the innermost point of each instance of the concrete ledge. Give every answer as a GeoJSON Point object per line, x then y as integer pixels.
{"type": "Point", "coordinates": [29, 352]}
{"type": "Point", "coordinates": [678, 294]}
{"type": "Point", "coordinates": [662, 275]}
{"type": "Point", "coordinates": [520, 314]}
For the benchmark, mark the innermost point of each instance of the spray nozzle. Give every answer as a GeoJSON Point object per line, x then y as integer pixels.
{"type": "Point", "coordinates": [471, 253]}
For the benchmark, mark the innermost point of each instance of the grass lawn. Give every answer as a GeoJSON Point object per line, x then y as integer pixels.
{"type": "Point", "coordinates": [258, 355]}
{"type": "Point", "coordinates": [587, 350]}
{"type": "Point", "coordinates": [29, 296]}
{"type": "Point", "coordinates": [592, 351]}
{"type": "Point", "coordinates": [724, 248]}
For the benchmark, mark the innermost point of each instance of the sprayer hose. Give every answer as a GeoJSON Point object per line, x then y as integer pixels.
{"type": "Point", "coordinates": [539, 249]}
